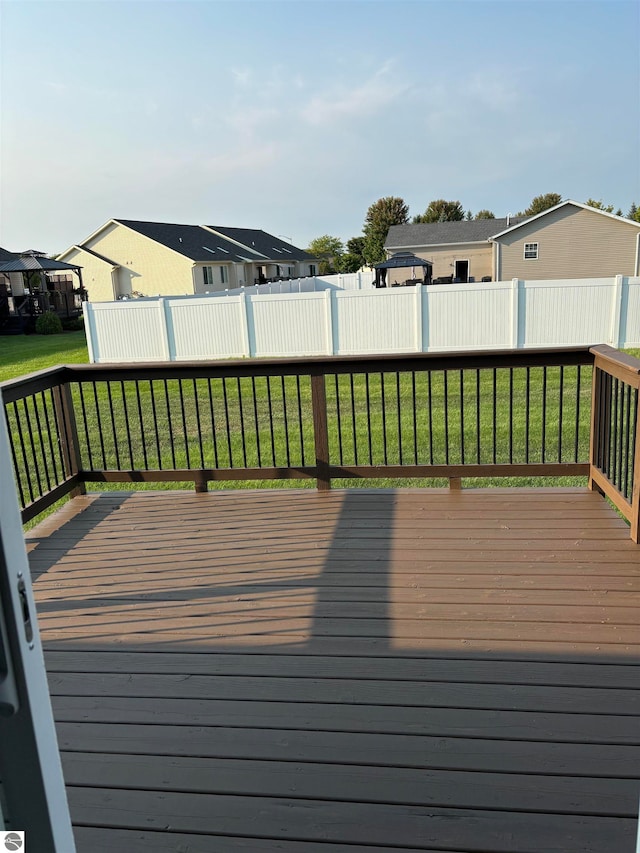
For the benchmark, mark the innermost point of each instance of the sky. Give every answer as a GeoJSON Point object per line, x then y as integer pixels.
{"type": "Point", "coordinates": [296, 116]}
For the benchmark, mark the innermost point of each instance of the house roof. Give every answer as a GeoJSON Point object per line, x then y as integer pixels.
{"type": "Point", "coordinates": [89, 252]}
{"type": "Point", "coordinates": [270, 247]}
{"type": "Point", "coordinates": [564, 204]}
{"type": "Point", "coordinates": [6, 256]}
{"type": "Point", "coordinates": [192, 241]}
{"type": "Point", "coordinates": [97, 255]}
{"type": "Point", "coordinates": [402, 259]}
{"type": "Point", "coordinates": [28, 263]}
{"type": "Point", "coordinates": [442, 233]}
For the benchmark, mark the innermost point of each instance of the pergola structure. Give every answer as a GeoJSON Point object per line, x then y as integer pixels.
{"type": "Point", "coordinates": [28, 291]}
{"type": "Point", "coordinates": [403, 260]}
{"type": "Point", "coordinates": [31, 263]}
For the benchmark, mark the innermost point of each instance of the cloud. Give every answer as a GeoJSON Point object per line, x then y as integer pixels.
{"type": "Point", "coordinates": [242, 76]}
{"type": "Point", "coordinates": [357, 102]}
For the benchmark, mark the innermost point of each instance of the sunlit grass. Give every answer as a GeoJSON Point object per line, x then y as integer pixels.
{"type": "Point", "coordinates": [22, 354]}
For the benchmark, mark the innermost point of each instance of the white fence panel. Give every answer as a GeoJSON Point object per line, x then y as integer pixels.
{"type": "Point", "coordinates": [630, 312]}
{"type": "Point", "coordinates": [433, 318]}
{"type": "Point", "coordinates": [374, 321]}
{"type": "Point", "coordinates": [204, 328]}
{"type": "Point", "coordinates": [348, 281]}
{"type": "Point", "coordinates": [126, 331]}
{"type": "Point", "coordinates": [289, 325]}
{"type": "Point", "coordinates": [310, 284]}
{"type": "Point", "coordinates": [578, 312]}
{"type": "Point", "coordinates": [468, 316]}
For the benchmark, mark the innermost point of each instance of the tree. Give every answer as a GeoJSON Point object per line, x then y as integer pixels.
{"type": "Point", "coordinates": [381, 215]}
{"type": "Point", "coordinates": [350, 262]}
{"type": "Point", "coordinates": [329, 250]}
{"type": "Point", "coordinates": [608, 208]}
{"type": "Point", "coordinates": [485, 214]}
{"type": "Point", "coordinates": [440, 210]}
{"type": "Point", "coordinates": [355, 246]}
{"type": "Point", "coordinates": [543, 202]}
{"type": "Point", "coordinates": [634, 212]}
{"type": "Point", "coordinates": [353, 258]}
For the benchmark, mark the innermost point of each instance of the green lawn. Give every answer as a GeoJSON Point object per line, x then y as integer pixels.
{"type": "Point", "coordinates": [21, 354]}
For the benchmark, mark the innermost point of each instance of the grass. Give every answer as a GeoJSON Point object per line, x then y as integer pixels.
{"type": "Point", "coordinates": [22, 354]}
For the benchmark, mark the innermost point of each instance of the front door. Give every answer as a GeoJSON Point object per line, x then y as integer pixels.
{"type": "Point", "coordinates": [32, 794]}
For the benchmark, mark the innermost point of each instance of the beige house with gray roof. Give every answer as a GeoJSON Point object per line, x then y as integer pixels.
{"type": "Point", "coordinates": [570, 240]}
{"type": "Point", "coordinates": [126, 258]}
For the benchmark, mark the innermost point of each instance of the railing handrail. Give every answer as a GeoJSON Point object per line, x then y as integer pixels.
{"type": "Point", "coordinates": [31, 383]}
{"type": "Point", "coordinates": [315, 365]}
{"type": "Point", "coordinates": [617, 363]}
{"type": "Point", "coordinates": [462, 459]}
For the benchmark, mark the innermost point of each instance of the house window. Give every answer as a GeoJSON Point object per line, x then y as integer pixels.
{"type": "Point", "coordinates": [224, 275]}
{"type": "Point", "coordinates": [312, 269]}
{"type": "Point", "coordinates": [531, 251]}
{"type": "Point", "coordinates": [207, 273]}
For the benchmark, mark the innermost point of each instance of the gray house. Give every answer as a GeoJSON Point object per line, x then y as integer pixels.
{"type": "Point", "coordinates": [570, 240]}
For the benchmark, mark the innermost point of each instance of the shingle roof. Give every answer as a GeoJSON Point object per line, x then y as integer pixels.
{"type": "Point", "coordinates": [192, 241]}
{"type": "Point", "coordinates": [271, 247]}
{"type": "Point", "coordinates": [6, 256]}
{"type": "Point", "coordinates": [439, 233]}
{"type": "Point", "coordinates": [27, 263]}
{"type": "Point", "coordinates": [95, 255]}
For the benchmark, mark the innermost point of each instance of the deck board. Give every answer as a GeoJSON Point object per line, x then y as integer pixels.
{"type": "Point", "coordinates": [366, 670]}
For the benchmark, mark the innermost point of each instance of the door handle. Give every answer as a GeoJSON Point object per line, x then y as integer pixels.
{"type": "Point", "coordinates": [9, 703]}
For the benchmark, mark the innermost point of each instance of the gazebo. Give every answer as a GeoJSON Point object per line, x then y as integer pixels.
{"type": "Point", "coordinates": [29, 290]}
{"type": "Point", "coordinates": [30, 263]}
{"type": "Point", "coordinates": [404, 260]}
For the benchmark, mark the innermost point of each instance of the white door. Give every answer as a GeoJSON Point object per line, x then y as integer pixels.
{"type": "Point", "coordinates": [33, 799]}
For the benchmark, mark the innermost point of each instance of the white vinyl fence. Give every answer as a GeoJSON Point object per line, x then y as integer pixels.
{"type": "Point", "coordinates": [433, 318]}
{"type": "Point", "coordinates": [311, 284]}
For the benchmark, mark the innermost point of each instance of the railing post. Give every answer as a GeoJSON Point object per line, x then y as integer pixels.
{"type": "Point", "coordinates": [320, 431]}
{"type": "Point", "coordinates": [635, 494]}
{"type": "Point", "coordinates": [594, 432]}
{"type": "Point", "coordinates": [68, 434]}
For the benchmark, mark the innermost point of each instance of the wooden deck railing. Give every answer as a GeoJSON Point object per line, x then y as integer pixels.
{"type": "Point", "coordinates": [516, 414]}
{"type": "Point", "coordinates": [615, 444]}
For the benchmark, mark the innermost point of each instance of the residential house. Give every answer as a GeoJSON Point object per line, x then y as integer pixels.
{"type": "Point", "coordinates": [126, 258]}
{"type": "Point", "coordinates": [570, 240]}
{"type": "Point", "coordinates": [457, 250]}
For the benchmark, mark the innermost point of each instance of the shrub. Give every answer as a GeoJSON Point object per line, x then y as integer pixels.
{"type": "Point", "coordinates": [48, 324]}
{"type": "Point", "coordinates": [73, 324]}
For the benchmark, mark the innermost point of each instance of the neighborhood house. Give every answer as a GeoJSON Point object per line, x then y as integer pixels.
{"type": "Point", "coordinates": [127, 258]}
{"type": "Point", "coordinates": [570, 240]}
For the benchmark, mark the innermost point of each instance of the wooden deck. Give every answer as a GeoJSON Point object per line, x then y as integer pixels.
{"type": "Point", "coordinates": [332, 673]}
